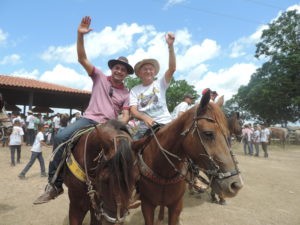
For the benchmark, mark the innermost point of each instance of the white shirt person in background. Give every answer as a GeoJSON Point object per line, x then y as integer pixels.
{"type": "Point", "coordinates": [183, 106]}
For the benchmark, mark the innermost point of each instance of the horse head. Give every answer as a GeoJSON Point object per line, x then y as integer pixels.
{"type": "Point", "coordinates": [117, 172]}
{"type": "Point", "coordinates": [235, 125]}
{"type": "Point", "coordinates": [206, 144]}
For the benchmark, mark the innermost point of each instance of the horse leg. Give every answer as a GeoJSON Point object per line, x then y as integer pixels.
{"type": "Point", "coordinates": [148, 212]}
{"type": "Point", "coordinates": [174, 212]}
{"type": "Point", "coordinates": [213, 197]}
{"type": "Point", "coordinates": [160, 215]}
{"type": "Point", "coordinates": [94, 220]}
{"type": "Point", "coordinates": [76, 214]}
{"type": "Point", "coordinates": [222, 201]}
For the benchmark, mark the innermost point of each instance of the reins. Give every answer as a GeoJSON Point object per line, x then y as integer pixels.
{"type": "Point", "coordinates": [214, 173]}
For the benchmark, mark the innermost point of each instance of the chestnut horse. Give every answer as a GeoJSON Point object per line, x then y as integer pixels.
{"type": "Point", "coordinates": [200, 134]}
{"type": "Point", "coordinates": [111, 166]}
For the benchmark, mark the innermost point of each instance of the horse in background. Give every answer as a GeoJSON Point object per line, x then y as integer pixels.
{"type": "Point", "coordinates": [111, 173]}
{"type": "Point", "coordinates": [235, 125]}
{"type": "Point", "coordinates": [279, 133]}
{"type": "Point", "coordinates": [200, 134]}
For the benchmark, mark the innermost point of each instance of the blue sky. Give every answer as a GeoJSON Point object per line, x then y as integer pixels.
{"type": "Point", "coordinates": [215, 40]}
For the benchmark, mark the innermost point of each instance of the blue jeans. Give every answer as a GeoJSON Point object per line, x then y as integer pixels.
{"type": "Point", "coordinates": [13, 149]}
{"type": "Point", "coordinates": [34, 156]}
{"type": "Point", "coordinates": [30, 136]}
{"type": "Point", "coordinates": [256, 148]}
{"type": "Point", "coordinates": [247, 144]}
{"type": "Point", "coordinates": [59, 138]}
{"type": "Point", "coordinates": [140, 133]}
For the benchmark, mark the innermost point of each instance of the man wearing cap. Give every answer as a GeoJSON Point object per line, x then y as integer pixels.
{"type": "Point", "coordinates": [109, 98]}
{"type": "Point", "coordinates": [148, 100]}
{"type": "Point", "coordinates": [183, 106]}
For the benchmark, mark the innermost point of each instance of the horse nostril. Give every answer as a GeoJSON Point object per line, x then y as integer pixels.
{"type": "Point", "coordinates": [236, 186]}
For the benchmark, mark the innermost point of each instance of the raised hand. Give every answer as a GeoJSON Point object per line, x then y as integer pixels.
{"type": "Point", "coordinates": [170, 38]}
{"type": "Point", "coordinates": [84, 26]}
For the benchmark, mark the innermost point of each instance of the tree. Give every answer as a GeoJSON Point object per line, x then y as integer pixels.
{"type": "Point", "coordinates": [176, 92]}
{"type": "Point", "coordinates": [272, 94]}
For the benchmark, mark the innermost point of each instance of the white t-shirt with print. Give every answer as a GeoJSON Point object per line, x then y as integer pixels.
{"type": "Point", "coordinates": [37, 147]}
{"type": "Point", "coordinates": [16, 136]}
{"type": "Point", "coordinates": [181, 107]}
{"type": "Point", "coordinates": [151, 100]}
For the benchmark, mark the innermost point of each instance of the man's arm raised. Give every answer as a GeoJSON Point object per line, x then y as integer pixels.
{"type": "Point", "coordinates": [170, 38]}
{"type": "Point", "coordinates": [84, 28]}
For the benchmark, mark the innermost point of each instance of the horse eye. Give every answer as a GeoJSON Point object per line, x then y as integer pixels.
{"type": "Point", "coordinates": [208, 134]}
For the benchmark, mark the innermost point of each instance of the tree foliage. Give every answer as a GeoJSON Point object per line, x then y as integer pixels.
{"type": "Point", "coordinates": [272, 94]}
{"type": "Point", "coordinates": [176, 92]}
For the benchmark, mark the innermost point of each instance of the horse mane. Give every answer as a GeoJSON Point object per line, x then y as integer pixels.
{"type": "Point", "coordinates": [118, 126]}
{"type": "Point", "coordinates": [122, 163]}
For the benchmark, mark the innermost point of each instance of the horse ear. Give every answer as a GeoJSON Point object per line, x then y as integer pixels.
{"type": "Point", "coordinates": [203, 103]}
{"type": "Point", "coordinates": [238, 115]}
{"type": "Point", "coordinates": [220, 101]}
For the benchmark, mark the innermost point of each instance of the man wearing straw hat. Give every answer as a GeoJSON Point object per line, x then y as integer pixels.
{"type": "Point", "coordinates": [148, 100]}
{"type": "Point", "coordinates": [109, 98]}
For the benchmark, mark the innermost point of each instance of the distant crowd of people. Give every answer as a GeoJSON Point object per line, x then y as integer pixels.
{"type": "Point", "coordinates": [28, 129]}
{"type": "Point", "coordinates": [255, 136]}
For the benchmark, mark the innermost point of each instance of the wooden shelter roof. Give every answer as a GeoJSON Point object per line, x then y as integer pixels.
{"type": "Point", "coordinates": [24, 91]}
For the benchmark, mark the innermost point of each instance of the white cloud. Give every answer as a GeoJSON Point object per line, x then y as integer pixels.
{"type": "Point", "coordinates": [104, 43]}
{"type": "Point", "coordinates": [197, 54]}
{"type": "Point", "coordinates": [67, 77]}
{"type": "Point", "coordinates": [3, 37]}
{"type": "Point", "coordinates": [239, 48]}
{"type": "Point", "coordinates": [227, 81]}
{"type": "Point", "coordinates": [188, 55]}
{"type": "Point", "coordinates": [11, 59]}
{"type": "Point", "coordinates": [171, 3]}
{"type": "Point", "coordinates": [24, 73]}
{"type": "Point", "coordinates": [294, 7]}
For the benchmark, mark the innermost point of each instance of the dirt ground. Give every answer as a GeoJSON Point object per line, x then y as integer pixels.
{"type": "Point", "coordinates": [271, 194]}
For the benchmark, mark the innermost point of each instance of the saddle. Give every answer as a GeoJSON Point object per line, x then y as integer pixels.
{"type": "Point", "coordinates": [68, 157]}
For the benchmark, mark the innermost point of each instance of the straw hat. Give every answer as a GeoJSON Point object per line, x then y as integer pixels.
{"type": "Point", "coordinates": [139, 65]}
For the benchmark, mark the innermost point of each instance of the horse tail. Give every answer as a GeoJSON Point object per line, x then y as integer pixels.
{"type": "Point", "coordinates": [122, 164]}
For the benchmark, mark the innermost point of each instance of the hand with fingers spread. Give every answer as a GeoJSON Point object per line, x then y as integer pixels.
{"type": "Point", "coordinates": [84, 26]}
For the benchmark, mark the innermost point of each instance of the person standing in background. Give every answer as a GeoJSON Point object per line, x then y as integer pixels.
{"type": "Point", "coordinates": [15, 142]}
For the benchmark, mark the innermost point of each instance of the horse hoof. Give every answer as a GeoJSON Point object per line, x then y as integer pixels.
{"type": "Point", "coordinates": [214, 201]}
{"type": "Point", "coordinates": [222, 202]}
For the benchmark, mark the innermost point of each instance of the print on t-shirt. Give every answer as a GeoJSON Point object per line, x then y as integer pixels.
{"type": "Point", "coordinates": [150, 103]}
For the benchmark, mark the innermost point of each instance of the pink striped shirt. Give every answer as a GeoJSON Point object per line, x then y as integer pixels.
{"type": "Point", "coordinates": [103, 107]}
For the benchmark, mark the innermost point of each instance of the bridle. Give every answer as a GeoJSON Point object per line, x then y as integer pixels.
{"type": "Point", "coordinates": [216, 171]}
{"type": "Point", "coordinates": [99, 208]}
{"type": "Point", "coordinates": [212, 173]}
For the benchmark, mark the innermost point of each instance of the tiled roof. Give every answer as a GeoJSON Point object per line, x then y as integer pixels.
{"type": "Point", "coordinates": [36, 84]}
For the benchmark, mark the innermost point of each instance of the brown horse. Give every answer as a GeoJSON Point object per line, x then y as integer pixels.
{"type": "Point", "coordinates": [235, 125]}
{"type": "Point", "coordinates": [200, 134]}
{"type": "Point", "coordinates": [112, 168]}
{"type": "Point", "coordinates": [279, 133]}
